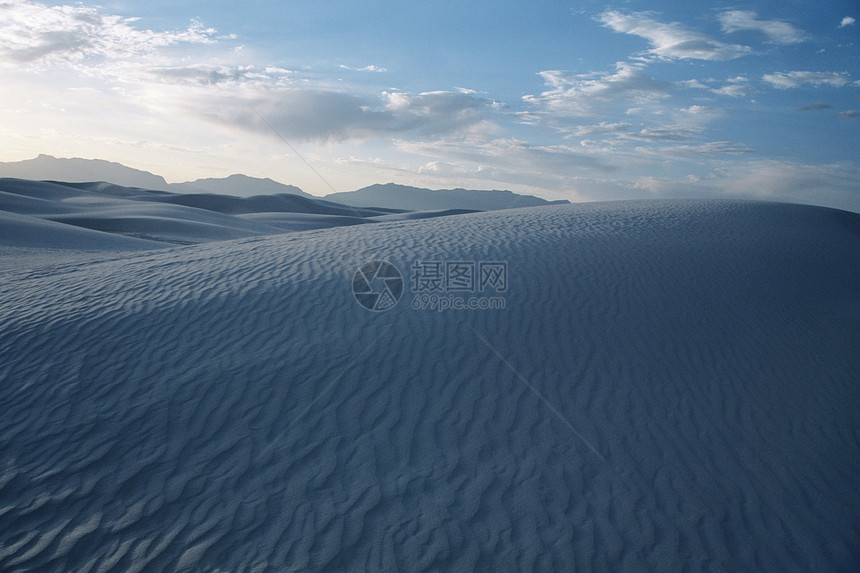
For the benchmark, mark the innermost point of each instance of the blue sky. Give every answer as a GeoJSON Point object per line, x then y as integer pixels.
{"type": "Point", "coordinates": [576, 100]}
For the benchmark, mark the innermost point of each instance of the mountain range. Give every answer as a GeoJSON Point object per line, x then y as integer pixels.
{"type": "Point", "coordinates": [396, 196]}
{"type": "Point", "coordinates": [389, 196]}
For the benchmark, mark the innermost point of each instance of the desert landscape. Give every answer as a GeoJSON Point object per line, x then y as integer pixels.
{"type": "Point", "coordinates": [671, 385]}
{"type": "Point", "coordinates": [429, 287]}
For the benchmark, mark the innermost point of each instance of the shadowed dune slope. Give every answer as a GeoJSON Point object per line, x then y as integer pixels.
{"type": "Point", "coordinates": [282, 203]}
{"type": "Point", "coordinates": [671, 386]}
{"type": "Point", "coordinates": [160, 218]}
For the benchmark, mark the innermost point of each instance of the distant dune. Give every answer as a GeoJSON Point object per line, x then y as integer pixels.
{"type": "Point", "coordinates": [670, 386]}
{"type": "Point", "coordinates": [77, 215]}
{"type": "Point", "coordinates": [162, 218]}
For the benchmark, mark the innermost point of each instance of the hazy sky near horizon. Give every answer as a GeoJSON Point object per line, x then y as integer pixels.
{"type": "Point", "coordinates": [577, 100]}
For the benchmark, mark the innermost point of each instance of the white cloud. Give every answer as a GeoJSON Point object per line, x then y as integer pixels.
{"type": "Point", "coordinates": [847, 21]}
{"type": "Point", "coordinates": [690, 85]}
{"type": "Point", "coordinates": [37, 35]}
{"type": "Point", "coordinates": [601, 128]}
{"type": "Point", "coordinates": [318, 115]}
{"type": "Point", "coordinates": [579, 94]}
{"type": "Point", "coordinates": [709, 148]}
{"type": "Point", "coordinates": [699, 109]}
{"type": "Point", "coordinates": [660, 134]}
{"type": "Point", "coordinates": [786, 80]}
{"type": "Point", "coordinates": [370, 68]}
{"type": "Point", "coordinates": [850, 114]}
{"type": "Point", "coordinates": [776, 31]}
{"type": "Point", "coordinates": [671, 41]}
{"type": "Point", "coordinates": [275, 70]}
{"type": "Point", "coordinates": [204, 74]}
{"type": "Point", "coordinates": [108, 54]}
{"type": "Point", "coordinates": [509, 160]}
{"type": "Point", "coordinates": [736, 87]}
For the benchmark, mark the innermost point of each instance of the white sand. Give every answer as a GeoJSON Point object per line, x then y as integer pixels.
{"type": "Point", "coordinates": [672, 386]}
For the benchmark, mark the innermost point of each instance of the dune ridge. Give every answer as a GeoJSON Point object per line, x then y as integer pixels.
{"type": "Point", "coordinates": [103, 216]}
{"type": "Point", "coordinates": [230, 406]}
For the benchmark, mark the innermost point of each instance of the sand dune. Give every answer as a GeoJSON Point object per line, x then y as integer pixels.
{"type": "Point", "coordinates": [283, 203]}
{"type": "Point", "coordinates": [303, 221]}
{"type": "Point", "coordinates": [163, 218]}
{"type": "Point", "coordinates": [671, 386]}
{"type": "Point", "coordinates": [23, 231]}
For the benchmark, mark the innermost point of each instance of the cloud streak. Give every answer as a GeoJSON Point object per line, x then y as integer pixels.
{"type": "Point", "coordinates": [813, 107]}
{"type": "Point", "coordinates": [370, 68]}
{"type": "Point", "coordinates": [671, 41]}
{"type": "Point", "coordinates": [775, 31]}
{"type": "Point", "coordinates": [737, 86]}
{"type": "Point", "coordinates": [788, 80]}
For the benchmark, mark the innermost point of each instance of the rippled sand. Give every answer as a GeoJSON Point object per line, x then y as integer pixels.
{"type": "Point", "coordinates": [671, 386]}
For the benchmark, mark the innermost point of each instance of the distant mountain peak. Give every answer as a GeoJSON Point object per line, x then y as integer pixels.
{"type": "Point", "coordinates": [397, 196]}
{"type": "Point", "coordinates": [77, 170]}
{"type": "Point", "coordinates": [238, 185]}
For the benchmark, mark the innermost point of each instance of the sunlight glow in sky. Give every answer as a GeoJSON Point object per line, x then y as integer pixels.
{"type": "Point", "coordinates": [574, 100]}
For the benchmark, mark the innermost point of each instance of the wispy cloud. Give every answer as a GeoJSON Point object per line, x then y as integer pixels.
{"type": "Point", "coordinates": [671, 41]}
{"type": "Point", "coordinates": [601, 128]}
{"type": "Point", "coordinates": [212, 75]}
{"type": "Point", "coordinates": [775, 31]}
{"type": "Point", "coordinates": [693, 84]}
{"type": "Point", "coordinates": [786, 80]}
{"type": "Point", "coordinates": [579, 94]}
{"type": "Point", "coordinates": [572, 99]}
{"type": "Point", "coordinates": [736, 87]}
{"type": "Point", "coordinates": [847, 21]}
{"type": "Point", "coordinates": [660, 134]}
{"type": "Point", "coordinates": [509, 160]}
{"type": "Point", "coordinates": [709, 148]}
{"type": "Point", "coordinates": [850, 114]}
{"type": "Point", "coordinates": [370, 68]}
{"type": "Point", "coordinates": [813, 107]}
